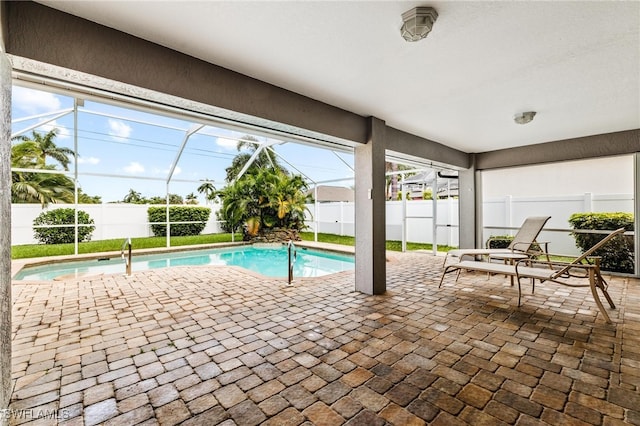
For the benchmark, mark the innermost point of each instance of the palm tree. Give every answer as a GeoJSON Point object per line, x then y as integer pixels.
{"type": "Point", "coordinates": [191, 198]}
{"type": "Point", "coordinates": [42, 147]}
{"type": "Point", "coordinates": [266, 158]}
{"type": "Point", "coordinates": [34, 187]}
{"type": "Point", "coordinates": [265, 199]}
{"type": "Point", "coordinates": [208, 190]}
{"type": "Point", "coordinates": [43, 188]}
{"type": "Point", "coordinates": [133, 197]}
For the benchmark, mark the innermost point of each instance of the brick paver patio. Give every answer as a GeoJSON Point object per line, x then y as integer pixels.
{"type": "Point", "coordinates": [221, 345]}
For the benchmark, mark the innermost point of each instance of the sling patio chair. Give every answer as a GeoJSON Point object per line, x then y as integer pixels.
{"type": "Point", "coordinates": [523, 242]}
{"type": "Point", "coordinates": [564, 273]}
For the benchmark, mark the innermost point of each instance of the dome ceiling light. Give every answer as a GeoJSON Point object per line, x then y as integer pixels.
{"type": "Point", "coordinates": [524, 117]}
{"type": "Point", "coordinates": [418, 23]}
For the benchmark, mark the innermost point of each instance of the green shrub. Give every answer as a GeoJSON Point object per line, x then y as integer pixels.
{"type": "Point", "coordinates": [198, 215]}
{"type": "Point", "coordinates": [62, 235]}
{"type": "Point", "coordinates": [616, 256]}
{"type": "Point", "coordinates": [499, 241]}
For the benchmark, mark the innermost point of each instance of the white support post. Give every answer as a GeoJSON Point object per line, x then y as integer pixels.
{"type": "Point", "coordinates": [316, 213]}
{"type": "Point", "coordinates": [75, 175]}
{"type": "Point", "coordinates": [434, 211]}
{"type": "Point", "coordinates": [508, 213]}
{"type": "Point", "coordinates": [404, 214]}
{"type": "Point", "coordinates": [167, 221]}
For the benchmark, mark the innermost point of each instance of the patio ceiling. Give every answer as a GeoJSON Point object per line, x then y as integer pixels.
{"type": "Point", "coordinates": [576, 63]}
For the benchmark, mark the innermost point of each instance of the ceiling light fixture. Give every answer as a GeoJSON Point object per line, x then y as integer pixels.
{"type": "Point", "coordinates": [417, 23]}
{"type": "Point", "coordinates": [524, 117]}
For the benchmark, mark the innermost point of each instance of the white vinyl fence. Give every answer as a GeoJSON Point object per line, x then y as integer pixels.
{"type": "Point", "coordinates": [114, 221]}
{"type": "Point", "coordinates": [499, 215]}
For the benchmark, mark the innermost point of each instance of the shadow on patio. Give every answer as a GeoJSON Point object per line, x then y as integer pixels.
{"type": "Point", "coordinates": [220, 345]}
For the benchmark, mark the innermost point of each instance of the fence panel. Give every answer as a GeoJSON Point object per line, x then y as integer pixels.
{"type": "Point", "coordinates": [499, 213]}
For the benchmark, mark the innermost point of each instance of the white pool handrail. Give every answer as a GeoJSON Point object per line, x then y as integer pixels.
{"type": "Point", "coordinates": [291, 246]}
{"type": "Point", "coordinates": [127, 259]}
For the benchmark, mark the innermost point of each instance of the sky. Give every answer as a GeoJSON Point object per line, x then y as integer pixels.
{"type": "Point", "coordinates": [141, 148]}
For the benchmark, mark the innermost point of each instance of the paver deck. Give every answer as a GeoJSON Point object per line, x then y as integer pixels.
{"type": "Point", "coordinates": [221, 345]}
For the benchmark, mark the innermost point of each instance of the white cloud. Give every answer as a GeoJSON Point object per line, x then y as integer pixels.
{"type": "Point", "coordinates": [118, 129]}
{"type": "Point", "coordinates": [34, 101]}
{"type": "Point", "coordinates": [88, 160]}
{"type": "Point", "coordinates": [134, 168]}
{"type": "Point", "coordinates": [227, 143]}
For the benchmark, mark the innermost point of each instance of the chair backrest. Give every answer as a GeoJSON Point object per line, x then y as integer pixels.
{"type": "Point", "coordinates": [589, 252]}
{"type": "Point", "coordinates": [528, 233]}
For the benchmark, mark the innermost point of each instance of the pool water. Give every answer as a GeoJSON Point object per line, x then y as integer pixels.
{"type": "Point", "coordinates": [268, 261]}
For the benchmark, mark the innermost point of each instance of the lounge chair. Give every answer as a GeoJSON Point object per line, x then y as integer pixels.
{"type": "Point", "coordinates": [522, 243]}
{"type": "Point", "coordinates": [563, 273]}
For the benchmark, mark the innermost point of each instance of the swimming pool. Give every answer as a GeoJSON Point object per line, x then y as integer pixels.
{"type": "Point", "coordinates": [269, 261]}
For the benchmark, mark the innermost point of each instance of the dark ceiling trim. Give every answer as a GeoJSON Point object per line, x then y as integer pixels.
{"type": "Point", "coordinates": [604, 145]}
{"type": "Point", "coordinates": [47, 35]}
{"type": "Point", "coordinates": [406, 143]}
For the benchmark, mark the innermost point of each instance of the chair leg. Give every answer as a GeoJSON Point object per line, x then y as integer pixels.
{"type": "Point", "coordinates": [445, 272]}
{"type": "Point", "coordinates": [602, 285]}
{"type": "Point", "coordinates": [594, 292]}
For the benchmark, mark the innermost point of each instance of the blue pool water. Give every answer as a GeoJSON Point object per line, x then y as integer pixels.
{"type": "Point", "coordinates": [268, 261]}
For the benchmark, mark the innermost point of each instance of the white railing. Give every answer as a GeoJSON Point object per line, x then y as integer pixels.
{"type": "Point", "coordinates": [126, 245]}
{"type": "Point", "coordinates": [292, 255]}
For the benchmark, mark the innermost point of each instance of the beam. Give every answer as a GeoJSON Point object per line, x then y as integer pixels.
{"type": "Point", "coordinates": [604, 145]}
{"type": "Point", "coordinates": [415, 146]}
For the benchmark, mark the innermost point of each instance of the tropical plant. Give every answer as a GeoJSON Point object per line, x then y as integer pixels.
{"type": "Point", "coordinates": [42, 185]}
{"type": "Point", "coordinates": [264, 199]}
{"type": "Point", "coordinates": [392, 179]}
{"type": "Point", "coordinates": [133, 197]}
{"type": "Point", "coordinates": [208, 190]}
{"type": "Point", "coordinates": [42, 188]}
{"type": "Point", "coordinates": [191, 198]}
{"type": "Point", "coordinates": [88, 199]}
{"type": "Point", "coordinates": [247, 146]}
{"type": "Point", "coordinates": [47, 227]}
{"type": "Point", "coordinates": [38, 147]}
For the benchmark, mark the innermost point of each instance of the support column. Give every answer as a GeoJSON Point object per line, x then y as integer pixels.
{"type": "Point", "coordinates": [5, 235]}
{"type": "Point", "coordinates": [371, 268]}
{"type": "Point", "coordinates": [469, 207]}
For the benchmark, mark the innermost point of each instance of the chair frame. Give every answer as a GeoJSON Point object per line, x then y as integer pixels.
{"type": "Point", "coordinates": [532, 225]}
{"type": "Point", "coordinates": [551, 271]}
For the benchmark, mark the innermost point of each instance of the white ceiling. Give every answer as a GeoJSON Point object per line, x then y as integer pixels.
{"type": "Point", "coordinates": [576, 63]}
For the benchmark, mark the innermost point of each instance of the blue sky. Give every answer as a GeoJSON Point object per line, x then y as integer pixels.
{"type": "Point", "coordinates": [120, 141]}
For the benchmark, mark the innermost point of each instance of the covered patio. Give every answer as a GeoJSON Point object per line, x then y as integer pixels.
{"type": "Point", "coordinates": [382, 345]}
{"type": "Point", "coordinates": [220, 345]}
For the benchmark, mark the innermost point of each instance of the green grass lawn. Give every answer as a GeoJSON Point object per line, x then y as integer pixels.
{"type": "Point", "coordinates": [349, 241]}
{"type": "Point", "coordinates": [40, 250]}
{"type": "Point", "coordinates": [43, 250]}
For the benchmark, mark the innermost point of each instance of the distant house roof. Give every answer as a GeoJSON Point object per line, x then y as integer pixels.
{"type": "Point", "coordinates": [333, 193]}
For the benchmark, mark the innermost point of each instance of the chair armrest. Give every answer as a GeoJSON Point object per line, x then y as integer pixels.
{"type": "Point", "coordinates": [563, 269]}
